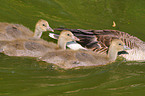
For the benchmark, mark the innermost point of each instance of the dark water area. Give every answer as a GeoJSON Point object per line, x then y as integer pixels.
{"type": "Point", "coordinates": [25, 76]}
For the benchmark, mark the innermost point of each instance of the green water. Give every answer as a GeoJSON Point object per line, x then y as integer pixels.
{"type": "Point", "coordinates": [25, 76]}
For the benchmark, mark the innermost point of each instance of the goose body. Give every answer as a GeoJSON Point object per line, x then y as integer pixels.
{"type": "Point", "coordinates": [26, 47]}
{"type": "Point", "coordinates": [99, 41]}
{"type": "Point", "coordinates": [9, 31]}
{"type": "Point", "coordinates": [35, 47]}
{"type": "Point", "coordinates": [68, 59]}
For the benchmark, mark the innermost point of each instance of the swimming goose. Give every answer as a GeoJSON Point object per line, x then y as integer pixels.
{"type": "Point", "coordinates": [35, 47]}
{"type": "Point", "coordinates": [99, 41]}
{"type": "Point", "coordinates": [68, 59]}
{"type": "Point", "coordinates": [10, 31]}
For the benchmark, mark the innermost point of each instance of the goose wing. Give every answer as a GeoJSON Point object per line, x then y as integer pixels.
{"type": "Point", "coordinates": [99, 40]}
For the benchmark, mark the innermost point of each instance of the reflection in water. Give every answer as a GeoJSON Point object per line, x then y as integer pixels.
{"type": "Point", "coordinates": [23, 76]}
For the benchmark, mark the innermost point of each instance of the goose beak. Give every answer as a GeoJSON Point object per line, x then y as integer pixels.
{"type": "Point", "coordinates": [126, 47]}
{"type": "Point", "coordinates": [76, 39]}
{"type": "Point", "coordinates": [49, 29]}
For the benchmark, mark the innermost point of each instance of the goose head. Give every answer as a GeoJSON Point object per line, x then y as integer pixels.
{"type": "Point", "coordinates": [66, 36]}
{"type": "Point", "coordinates": [119, 45]}
{"type": "Point", "coordinates": [116, 46]}
{"type": "Point", "coordinates": [42, 25]}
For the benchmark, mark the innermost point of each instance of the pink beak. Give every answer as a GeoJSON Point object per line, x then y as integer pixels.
{"type": "Point", "coordinates": [76, 39]}
{"type": "Point", "coordinates": [49, 29]}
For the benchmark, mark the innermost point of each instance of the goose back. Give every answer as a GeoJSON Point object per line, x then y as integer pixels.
{"type": "Point", "coordinates": [14, 31]}
{"type": "Point", "coordinates": [27, 47]}
{"type": "Point", "coordinates": [70, 59]}
{"type": "Point", "coordinates": [9, 31]}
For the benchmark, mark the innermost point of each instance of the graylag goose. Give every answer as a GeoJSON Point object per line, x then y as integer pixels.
{"type": "Point", "coordinates": [10, 31]}
{"type": "Point", "coordinates": [68, 59]}
{"type": "Point", "coordinates": [99, 41]}
{"type": "Point", "coordinates": [35, 47]}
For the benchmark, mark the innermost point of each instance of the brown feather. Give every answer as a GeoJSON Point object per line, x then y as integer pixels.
{"type": "Point", "coordinates": [103, 37]}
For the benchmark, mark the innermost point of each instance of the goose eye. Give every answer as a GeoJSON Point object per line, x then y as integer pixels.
{"type": "Point", "coordinates": [119, 44]}
{"type": "Point", "coordinates": [43, 24]}
{"type": "Point", "coordinates": [68, 34]}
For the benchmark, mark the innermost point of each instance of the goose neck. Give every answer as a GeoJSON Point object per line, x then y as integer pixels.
{"type": "Point", "coordinates": [112, 53]}
{"type": "Point", "coordinates": [62, 43]}
{"type": "Point", "coordinates": [37, 33]}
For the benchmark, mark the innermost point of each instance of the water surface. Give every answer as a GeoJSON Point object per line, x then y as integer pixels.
{"type": "Point", "coordinates": [25, 76]}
